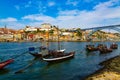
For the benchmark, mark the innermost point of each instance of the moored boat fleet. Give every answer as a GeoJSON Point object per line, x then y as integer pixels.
{"type": "Point", "coordinates": [102, 48]}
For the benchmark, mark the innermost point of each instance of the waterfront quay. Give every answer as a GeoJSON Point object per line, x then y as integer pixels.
{"type": "Point", "coordinates": [48, 32]}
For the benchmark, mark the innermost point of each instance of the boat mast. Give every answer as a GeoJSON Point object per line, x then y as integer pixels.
{"type": "Point", "coordinates": [48, 39]}
{"type": "Point", "coordinates": [58, 38]}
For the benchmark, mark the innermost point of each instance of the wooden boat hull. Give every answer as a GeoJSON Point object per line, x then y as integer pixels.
{"type": "Point", "coordinates": [91, 48]}
{"type": "Point", "coordinates": [71, 55]}
{"type": "Point", "coordinates": [114, 46]}
{"type": "Point", "coordinates": [36, 54]}
{"type": "Point", "coordinates": [5, 63]}
{"type": "Point", "coordinates": [102, 51]}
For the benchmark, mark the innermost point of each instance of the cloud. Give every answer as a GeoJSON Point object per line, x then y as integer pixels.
{"type": "Point", "coordinates": [82, 19]}
{"type": "Point", "coordinates": [72, 2]}
{"type": "Point", "coordinates": [102, 14]}
{"type": "Point", "coordinates": [16, 25]}
{"type": "Point", "coordinates": [9, 19]}
{"type": "Point", "coordinates": [108, 10]}
{"type": "Point", "coordinates": [38, 17]}
{"type": "Point", "coordinates": [107, 4]}
{"type": "Point", "coordinates": [68, 12]}
{"type": "Point", "coordinates": [51, 3]}
{"type": "Point", "coordinates": [12, 23]}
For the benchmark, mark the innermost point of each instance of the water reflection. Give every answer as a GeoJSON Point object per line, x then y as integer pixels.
{"type": "Point", "coordinates": [4, 71]}
{"type": "Point", "coordinates": [30, 63]}
{"type": "Point", "coordinates": [91, 53]}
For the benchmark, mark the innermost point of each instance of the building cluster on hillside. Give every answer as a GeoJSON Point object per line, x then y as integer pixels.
{"type": "Point", "coordinates": [51, 33]}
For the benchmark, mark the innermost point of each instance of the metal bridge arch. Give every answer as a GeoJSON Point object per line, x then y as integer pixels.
{"type": "Point", "coordinates": [113, 27]}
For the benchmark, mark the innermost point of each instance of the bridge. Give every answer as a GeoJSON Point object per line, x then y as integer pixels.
{"type": "Point", "coordinates": [94, 29]}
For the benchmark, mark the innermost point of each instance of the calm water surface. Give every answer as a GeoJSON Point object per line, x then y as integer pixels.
{"type": "Point", "coordinates": [83, 64]}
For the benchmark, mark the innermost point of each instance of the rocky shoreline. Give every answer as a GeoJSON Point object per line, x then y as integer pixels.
{"type": "Point", "coordinates": [110, 70]}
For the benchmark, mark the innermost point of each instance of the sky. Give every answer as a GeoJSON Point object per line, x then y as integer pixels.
{"type": "Point", "coordinates": [16, 14]}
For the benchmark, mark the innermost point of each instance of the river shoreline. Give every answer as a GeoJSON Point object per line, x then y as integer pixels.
{"type": "Point", "coordinates": [109, 71]}
{"type": "Point", "coordinates": [57, 41]}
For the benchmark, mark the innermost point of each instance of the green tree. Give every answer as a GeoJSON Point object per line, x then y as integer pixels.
{"type": "Point", "coordinates": [79, 33]}
{"type": "Point", "coordinates": [100, 35]}
{"type": "Point", "coordinates": [51, 32]}
{"type": "Point", "coordinates": [26, 34]}
{"type": "Point", "coordinates": [43, 32]}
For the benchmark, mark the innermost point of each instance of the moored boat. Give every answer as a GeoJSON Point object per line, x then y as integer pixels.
{"type": "Point", "coordinates": [36, 54]}
{"type": "Point", "coordinates": [59, 57]}
{"type": "Point", "coordinates": [105, 50]}
{"type": "Point", "coordinates": [5, 63]}
{"type": "Point", "coordinates": [114, 46]}
{"type": "Point", "coordinates": [101, 46]}
{"type": "Point", "coordinates": [43, 52]}
{"type": "Point", "coordinates": [91, 48]}
{"type": "Point", "coordinates": [40, 52]}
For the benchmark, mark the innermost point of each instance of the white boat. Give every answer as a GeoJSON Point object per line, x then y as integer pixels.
{"type": "Point", "coordinates": [64, 57]}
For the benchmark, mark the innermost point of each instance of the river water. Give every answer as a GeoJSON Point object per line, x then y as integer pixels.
{"type": "Point", "coordinates": [83, 64]}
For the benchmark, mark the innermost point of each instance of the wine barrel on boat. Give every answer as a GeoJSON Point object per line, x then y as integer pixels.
{"type": "Point", "coordinates": [105, 50]}
{"type": "Point", "coordinates": [101, 46]}
{"type": "Point", "coordinates": [114, 46]}
{"type": "Point", "coordinates": [42, 51]}
{"type": "Point", "coordinates": [91, 48]}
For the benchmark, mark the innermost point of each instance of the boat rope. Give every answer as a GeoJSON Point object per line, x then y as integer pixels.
{"type": "Point", "coordinates": [75, 50]}
{"type": "Point", "coordinates": [17, 48]}
{"type": "Point", "coordinates": [82, 50]}
{"type": "Point", "coordinates": [78, 50]}
{"type": "Point", "coordinates": [23, 69]}
{"type": "Point", "coordinates": [13, 49]}
{"type": "Point", "coordinates": [20, 55]}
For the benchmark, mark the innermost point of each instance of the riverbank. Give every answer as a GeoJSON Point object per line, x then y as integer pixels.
{"type": "Point", "coordinates": [110, 70]}
{"type": "Point", "coordinates": [57, 41]}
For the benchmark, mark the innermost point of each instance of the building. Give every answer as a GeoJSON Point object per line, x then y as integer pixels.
{"type": "Point", "coordinates": [7, 34]}
{"type": "Point", "coordinates": [30, 29]}
{"type": "Point", "coordinates": [45, 26]}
